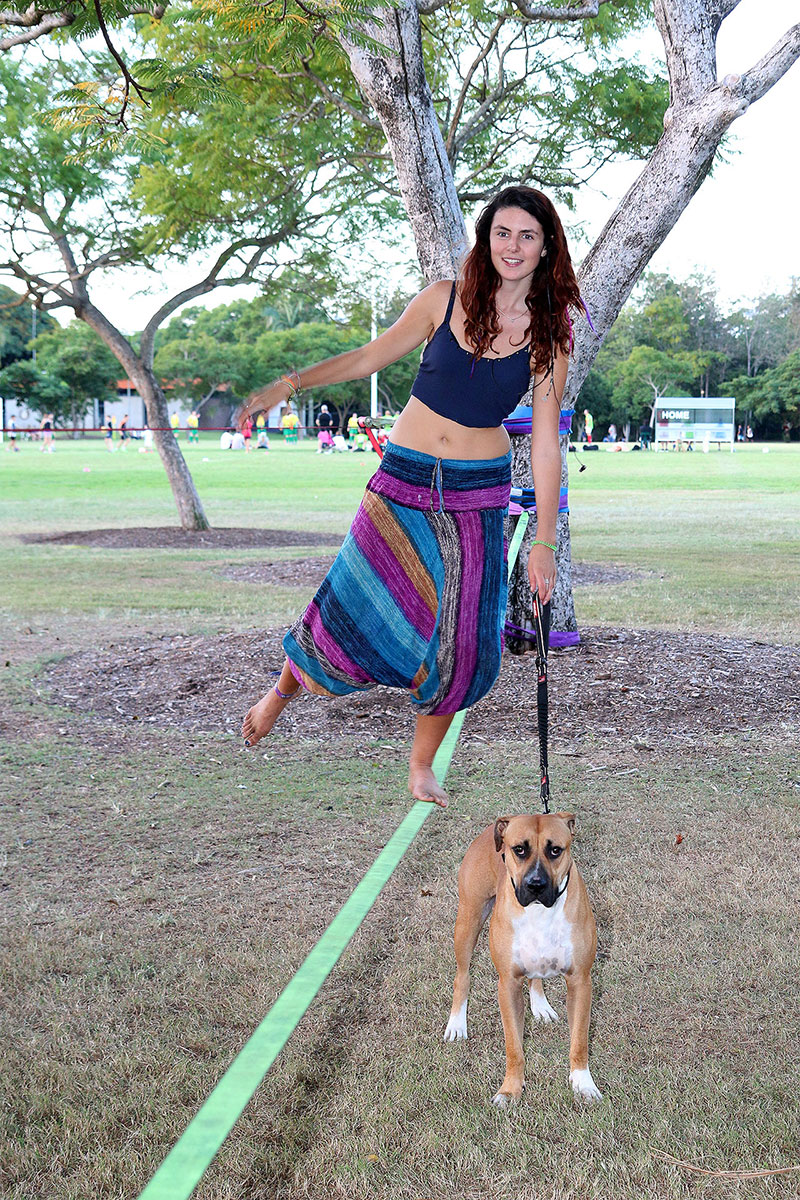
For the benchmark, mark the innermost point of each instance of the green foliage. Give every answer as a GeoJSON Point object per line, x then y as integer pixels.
{"type": "Point", "coordinates": [195, 367]}
{"type": "Point", "coordinates": [521, 101]}
{"type": "Point", "coordinates": [773, 397]}
{"type": "Point", "coordinates": [16, 326]}
{"type": "Point", "coordinates": [76, 356]}
{"type": "Point", "coordinates": [26, 383]}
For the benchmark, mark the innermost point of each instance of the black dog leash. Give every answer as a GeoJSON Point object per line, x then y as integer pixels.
{"type": "Point", "coordinates": [541, 615]}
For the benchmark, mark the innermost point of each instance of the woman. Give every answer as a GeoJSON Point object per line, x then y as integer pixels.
{"type": "Point", "coordinates": [416, 596]}
{"type": "Point", "coordinates": [47, 424]}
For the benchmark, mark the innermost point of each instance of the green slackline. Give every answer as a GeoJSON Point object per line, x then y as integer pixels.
{"type": "Point", "coordinates": [189, 1159]}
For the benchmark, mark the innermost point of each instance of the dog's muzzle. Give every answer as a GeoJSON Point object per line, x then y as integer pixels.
{"type": "Point", "coordinates": [537, 887]}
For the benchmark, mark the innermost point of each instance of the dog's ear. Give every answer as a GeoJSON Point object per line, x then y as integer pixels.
{"type": "Point", "coordinates": [568, 819]}
{"type": "Point", "coordinates": [500, 826]}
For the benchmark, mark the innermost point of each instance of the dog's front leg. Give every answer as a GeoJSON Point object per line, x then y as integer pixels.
{"type": "Point", "coordinates": [579, 1011]}
{"type": "Point", "coordinates": [512, 1010]}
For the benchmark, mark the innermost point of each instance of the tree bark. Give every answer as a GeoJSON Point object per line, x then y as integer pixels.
{"type": "Point", "coordinates": [190, 509]}
{"type": "Point", "coordinates": [395, 84]}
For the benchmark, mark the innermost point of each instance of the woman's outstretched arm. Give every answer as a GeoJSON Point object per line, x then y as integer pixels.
{"type": "Point", "coordinates": [408, 332]}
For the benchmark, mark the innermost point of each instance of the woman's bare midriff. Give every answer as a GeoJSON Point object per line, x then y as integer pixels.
{"type": "Point", "coordinates": [420, 428]}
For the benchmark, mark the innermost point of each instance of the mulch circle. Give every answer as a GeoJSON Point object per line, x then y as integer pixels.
{"type": "Point", "coordinates": [637, 688]}
{"type": "Point", "coordinates": [170, 537]}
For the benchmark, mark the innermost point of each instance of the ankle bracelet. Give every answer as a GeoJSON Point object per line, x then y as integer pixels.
{"type": "Point", "coordinates": [283, 695]}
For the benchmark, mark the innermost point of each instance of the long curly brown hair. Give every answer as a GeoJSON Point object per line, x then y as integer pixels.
{"type": "Point", "coordinates": [553, 289]}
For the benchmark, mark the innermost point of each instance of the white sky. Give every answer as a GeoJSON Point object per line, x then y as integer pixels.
{"type": "Point", "coordinates": [742, 227]}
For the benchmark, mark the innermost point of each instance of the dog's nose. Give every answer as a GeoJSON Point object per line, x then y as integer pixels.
{"type": "Point", "coordinates": [535, 881]}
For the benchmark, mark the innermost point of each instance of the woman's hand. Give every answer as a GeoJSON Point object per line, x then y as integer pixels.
{"type": "Point", "coordinates": [542, 571]}
{"type": "Point", "coordinates": [263, 401]}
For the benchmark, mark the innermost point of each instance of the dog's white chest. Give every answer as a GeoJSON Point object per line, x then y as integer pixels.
{"type": "Point", "coordinates": [541, 943]}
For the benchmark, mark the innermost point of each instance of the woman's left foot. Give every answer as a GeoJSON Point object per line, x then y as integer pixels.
{"type": "Point", "coordinates": [261, 717]}
{"type": "Point", "coordinates": [423, 785]}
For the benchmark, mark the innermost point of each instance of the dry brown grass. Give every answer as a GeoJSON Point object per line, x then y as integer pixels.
{"type": "Point", "coordinates": [159, 893]}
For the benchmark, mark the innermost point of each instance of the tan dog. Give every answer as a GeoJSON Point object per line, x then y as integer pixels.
{"type": "Point", "coordinates": [521, 871]}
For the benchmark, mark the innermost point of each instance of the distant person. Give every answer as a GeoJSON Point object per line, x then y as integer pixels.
{"type": "Point", "coordinates": [612, 433]}
{"type": "Point", "coordinates": [324, 441]}
{"type": "Point", "coordinates": [226, 439]}
{"type": "Point", "coordinates": [352, 428]}
{"type": "Point", "coordinates": [123, 432]}
{"type": "Point", "coordinates": [108, 435]}
{"type": "Point", "coordinates": [739, 434]}
{"type": "Point", "coordinates": [12, 436]}
{"type": "Point", "coordinates": [339, 442]}
{"type": "Point", "coordinates": [325, 420]}
{"type": "Point", "coordinates": [148, 442]}
{"type": "Point", "coordinates": [749, 433]}
{"type": "Point", "coordinates": [237, 441]}
{"type": "Point", "coordinates": [262, 441]}
{"type": "Point", "coordinates": [360, 442]}
{"type": "Point", "coordinates": [193, 422]}
{"type": "Point", "coordinates": [588, 424]}
{"type": "Point", "coordinates": [47, 425]}
{"type": "Point", "coordinates": [247, 433]}
{"type": "Point", "coordinates": [175, 422]}
{"type": "Point", "coordinates": [787, 431]}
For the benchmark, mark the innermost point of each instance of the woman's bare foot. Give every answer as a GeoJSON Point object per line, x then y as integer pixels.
{"type": "Point", "coordinates": [262, 716]}
{"type": "Point", "coordinates": [423, 785]}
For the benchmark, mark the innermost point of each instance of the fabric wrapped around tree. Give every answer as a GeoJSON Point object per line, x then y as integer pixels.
{"type": "Point", "coordinates": [520, 633]}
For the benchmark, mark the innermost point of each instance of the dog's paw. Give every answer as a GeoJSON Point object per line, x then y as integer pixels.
{"type": "Point", "coordinates": [502, 1100]}
{"type": "Point", "coordinates": [584, 1086]}
{"type": "Point", "coordinates": [456, 1030]}
{"type": "Point", "coordinates": [541, 1009]}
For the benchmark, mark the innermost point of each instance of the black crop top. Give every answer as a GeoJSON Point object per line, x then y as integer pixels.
{"type": "Point", "coordinates": [479, 394]}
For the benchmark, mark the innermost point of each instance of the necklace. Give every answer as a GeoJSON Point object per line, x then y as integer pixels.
{"type": "Point", "coordinates": [509, 317]}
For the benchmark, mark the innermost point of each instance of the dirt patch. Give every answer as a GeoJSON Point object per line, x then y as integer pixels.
{"type": "Point", "coordinates": [638, 688]}
{"type": "Point", "coordinates": [311, 572]}
{"type": "Point", "coordinates": [294, 572]}
{"type": "Point", "coordinates": [169, 537]}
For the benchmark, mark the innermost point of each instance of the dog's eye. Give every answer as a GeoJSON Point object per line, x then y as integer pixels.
{"type": "Point", "coordinates": [520, 851]}
{"type": "Point", "coordinates": [555, 851]}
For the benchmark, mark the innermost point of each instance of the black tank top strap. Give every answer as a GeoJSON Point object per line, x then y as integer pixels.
{"type": "Point", "coordinates": [450, 303]}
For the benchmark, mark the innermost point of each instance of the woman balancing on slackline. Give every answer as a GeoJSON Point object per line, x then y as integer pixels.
{"type": "Point", "coordinates": [416, 596]}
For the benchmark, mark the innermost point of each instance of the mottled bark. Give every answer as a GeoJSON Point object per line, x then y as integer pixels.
{"type": "Point", "coordinates": [395, 84]}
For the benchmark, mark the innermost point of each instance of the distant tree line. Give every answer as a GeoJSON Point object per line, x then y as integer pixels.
{"type": "Point", "coordinates": [671, 339]}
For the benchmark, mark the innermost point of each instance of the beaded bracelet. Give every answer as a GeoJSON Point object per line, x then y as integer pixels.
{"type": "Point", "coordinates": [539, 542]}
{"type": "Point", "coordinates": [290, 378]}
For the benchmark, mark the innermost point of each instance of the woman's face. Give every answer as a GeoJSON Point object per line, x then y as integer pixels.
{"type": "Point", "coordinates": [516, 242]}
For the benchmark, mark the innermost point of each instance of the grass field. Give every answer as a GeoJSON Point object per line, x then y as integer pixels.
{"type": "Point", "coordinates": [159, 886]}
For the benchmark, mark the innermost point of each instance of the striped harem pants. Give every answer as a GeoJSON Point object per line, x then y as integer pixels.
{"type": "Point", "coordinates": [416, 597]}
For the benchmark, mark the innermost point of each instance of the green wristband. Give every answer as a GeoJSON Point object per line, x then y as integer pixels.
{"type": "Point", "coordinates": [539, 542]}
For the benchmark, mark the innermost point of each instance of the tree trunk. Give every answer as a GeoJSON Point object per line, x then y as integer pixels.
{"type": "Point", "coordinates": [190, 509]}
{"type": "Point", "coordinates": [396, 86]}
{"type": "Point", "coordinates": [520, 636]}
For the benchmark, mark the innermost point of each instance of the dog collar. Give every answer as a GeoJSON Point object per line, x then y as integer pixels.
{"type": "Point", "coordinates": [561, 890]}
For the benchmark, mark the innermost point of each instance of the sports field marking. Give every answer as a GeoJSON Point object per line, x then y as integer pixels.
{"type": "Point", "coordinates": [189, 1159]}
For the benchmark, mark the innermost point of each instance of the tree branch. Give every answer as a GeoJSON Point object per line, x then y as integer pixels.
{"type": "Point", "coordinates": [769, 69]}
{"type": "Point", "coordinates": [207, 284]}
{"type": "Point", "coordinates": [35, 23]}
{"type": "Point", "coordinates": [554, 12]}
